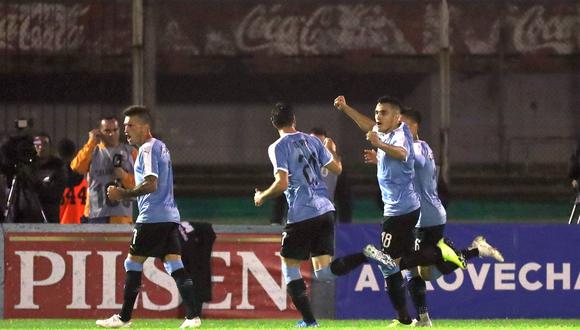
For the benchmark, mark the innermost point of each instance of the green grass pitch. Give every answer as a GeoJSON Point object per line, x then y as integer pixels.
{"type": "Point", "coordinates": [289, 324]}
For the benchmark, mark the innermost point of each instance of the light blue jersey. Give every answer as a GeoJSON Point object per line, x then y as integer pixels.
{"type": "Point", "coordinates": [395, 176]}
{"type": "Point", "coordinates": [302, 156]}
{"type": "Point", "coordinates": [159, 206]}
{"type": "Point", "coordinates": [432, 211]}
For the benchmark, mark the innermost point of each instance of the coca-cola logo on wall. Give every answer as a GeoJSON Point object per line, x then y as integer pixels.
{"type": "Point", "coordinates": [195, 28]}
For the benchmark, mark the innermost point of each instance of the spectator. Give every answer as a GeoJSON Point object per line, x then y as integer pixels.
{"type": "Point", "coordinates": [51, 178]}
{"type": "Point", "coordinates": [106, 162]}
{"type": "Point", "coordinates": [74, 198]}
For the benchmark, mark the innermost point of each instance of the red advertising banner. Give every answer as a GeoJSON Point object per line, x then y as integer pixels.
{"type": "Point", "coordinates": [81, 275]}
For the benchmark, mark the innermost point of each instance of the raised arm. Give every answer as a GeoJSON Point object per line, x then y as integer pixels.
{"type": "Point", "coordinates": [82, 160]}
{"type": "Point", "coordinates": [364, 123]}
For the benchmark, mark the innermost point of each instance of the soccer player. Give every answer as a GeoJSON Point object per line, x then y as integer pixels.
{"type": "Point", "coordinates": [156, 231]}
{"type": "Point", "coordinates": [395, 172]}
{"type": "Point", "coordinates": [430, 227]}
{"type": "Point", "coordinates": [297, 159]}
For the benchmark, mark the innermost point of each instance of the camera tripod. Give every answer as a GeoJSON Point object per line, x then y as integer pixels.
{"type": "Point", "coordinates": [12, 197]}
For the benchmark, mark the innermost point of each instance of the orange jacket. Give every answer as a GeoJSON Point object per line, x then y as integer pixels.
{"type": "Point", "coordinates": [81, 164]}
{"type": "Point", "coordinates": [72, 205]}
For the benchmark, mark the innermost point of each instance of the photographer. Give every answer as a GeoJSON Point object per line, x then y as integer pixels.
{"type": "Point", "coordinates": [20, 166]}
{"type": "Point", "coordinates": [51, 178]}
{"type": "Point", "coordinates": [107, 162]}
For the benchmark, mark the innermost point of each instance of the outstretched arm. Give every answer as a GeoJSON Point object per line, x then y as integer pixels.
{"type": "Point", "coordinates": [364, 123]}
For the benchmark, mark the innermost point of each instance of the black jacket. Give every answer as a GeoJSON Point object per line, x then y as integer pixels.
{"type": "Point", "coordinates": [197, 240]}
{"type": "Point", "coordinates": [51, 180]}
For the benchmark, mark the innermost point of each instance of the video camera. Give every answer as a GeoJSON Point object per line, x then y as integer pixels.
{"type": "Point", "coordinates": [17, 152]}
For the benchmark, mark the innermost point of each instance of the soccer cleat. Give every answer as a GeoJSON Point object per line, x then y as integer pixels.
{"type": "Point", "coordinates": [389, 266]}
{"type": "Point", "coordinates": [304, 324]}
{"type": "Point", "coordinates": [113, 322]}
{"type": "Point", "coordinates": [485, 249]}
{"type": "Point", "coordinates": [193, 323]}
{"type": "Point", "coordinates": [396, 323]}
{"type": "Point", "coordinates": [450, 255]}
{"type": "Point", "coordinates": [422, 323]}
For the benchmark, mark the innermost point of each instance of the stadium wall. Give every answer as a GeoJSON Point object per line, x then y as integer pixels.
{"type": "Point", "coordinates": [225, 133]}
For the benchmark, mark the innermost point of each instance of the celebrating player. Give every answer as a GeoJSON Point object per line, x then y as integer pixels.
{"type": "Point", "coordinates": [430, 227]}
{"type": "Point", "coordinates": [395, 172]}
{"type": "Point", "coordinates": [297, 159]}
{"type": "Point", "coordinates": [156, 232]}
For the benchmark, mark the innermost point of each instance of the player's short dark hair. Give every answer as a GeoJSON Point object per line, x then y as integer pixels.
{"type": "Point", "coordinates": [412, 114]}
{"type": "Point", "coordinates": [282, 115]}
{"type": "Point", "coordinates": [395, 102]}
{"type": "Point", "coordinates": [318, 131]}
{"type": "Point", "coordinates": [140, 112]}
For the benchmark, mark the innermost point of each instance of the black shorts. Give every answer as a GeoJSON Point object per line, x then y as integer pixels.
{"type": "Point", "coordinates": [397, 237]}
{"type": "Point", "coordinates": [155, 239]}
{"type": "Point", "coordinates": [309, 238]}
{"type": "Point", "coordinates": [428, 236]}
